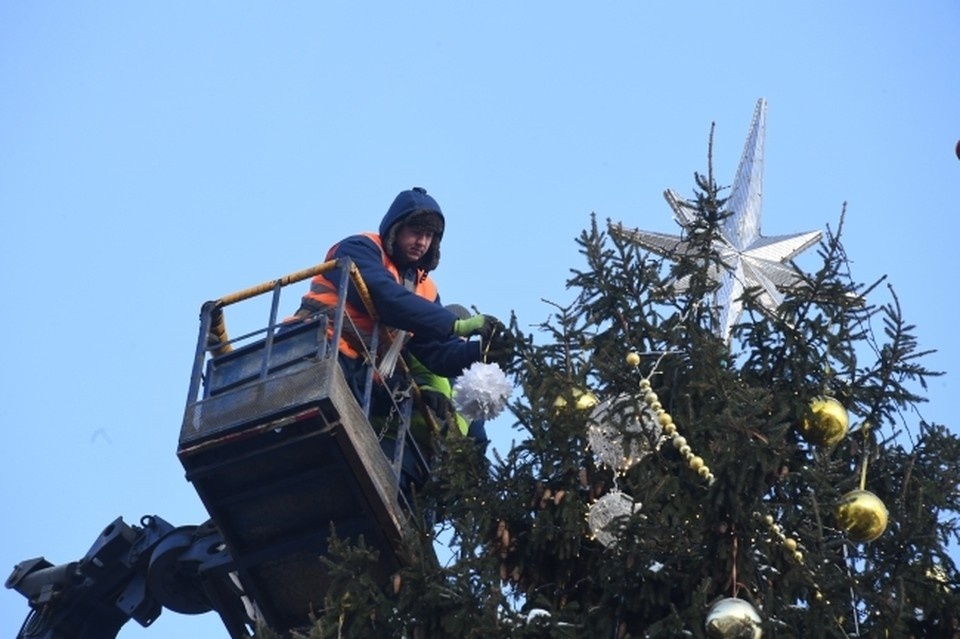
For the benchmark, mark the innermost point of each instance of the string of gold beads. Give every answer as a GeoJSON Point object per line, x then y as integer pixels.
{"type": "Point", "coordinates": [789, 543]}
{"type": "Point", "coordinates": [695, 462]}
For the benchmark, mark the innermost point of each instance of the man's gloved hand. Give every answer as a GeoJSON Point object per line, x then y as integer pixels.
{"type": "Point", "coordinates": [440, 405]}
{"type": "Point", "coordinates": [482, 325]}
{"type": "Point", "coordinates": [499, 348]}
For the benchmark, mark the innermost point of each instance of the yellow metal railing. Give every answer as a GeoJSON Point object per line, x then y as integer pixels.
{"type": "Point", "coordinates": [220, 341]}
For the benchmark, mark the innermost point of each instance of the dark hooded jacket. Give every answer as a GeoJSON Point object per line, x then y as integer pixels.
{"type": "Point", "coordinates": [433, 342]}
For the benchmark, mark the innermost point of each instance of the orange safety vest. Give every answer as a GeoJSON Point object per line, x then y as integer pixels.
{"type": "Point", "coordinates": [323, 293]}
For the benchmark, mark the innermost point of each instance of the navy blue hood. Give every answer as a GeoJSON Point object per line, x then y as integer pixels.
{"type": "Point", "coordinates": [415, 207]}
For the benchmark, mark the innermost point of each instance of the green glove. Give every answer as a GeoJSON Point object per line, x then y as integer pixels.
{"type": "Point", "coordinates": [482, 325]}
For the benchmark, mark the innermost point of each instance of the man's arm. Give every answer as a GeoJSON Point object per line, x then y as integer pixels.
{"type": "Point", "coordinates": [447, 358]}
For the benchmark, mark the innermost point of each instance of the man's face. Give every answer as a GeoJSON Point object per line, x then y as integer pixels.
{"type": "Point", "coordinates": [411, 244]}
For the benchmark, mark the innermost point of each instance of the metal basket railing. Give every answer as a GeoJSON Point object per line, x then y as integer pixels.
{"type": "Point", "coordinates": [214, 346]}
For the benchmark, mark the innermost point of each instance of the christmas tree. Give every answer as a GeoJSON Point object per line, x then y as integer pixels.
{"type": "Point", "coordinates": [713, 443]}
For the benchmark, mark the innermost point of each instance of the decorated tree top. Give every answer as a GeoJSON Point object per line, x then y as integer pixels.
{"type": "Point", "coordinates": [713, 442]}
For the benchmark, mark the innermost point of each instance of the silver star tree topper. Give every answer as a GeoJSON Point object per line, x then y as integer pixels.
{"type": "Point", "coordinates": [749, 260]}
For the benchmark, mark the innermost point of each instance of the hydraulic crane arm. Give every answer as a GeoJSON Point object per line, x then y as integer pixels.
{"type": "Point", "coordinates": [130, 572]}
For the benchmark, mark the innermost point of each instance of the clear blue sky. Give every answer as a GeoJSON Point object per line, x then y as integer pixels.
{"type": "Point", "coordinates": [156, 155]}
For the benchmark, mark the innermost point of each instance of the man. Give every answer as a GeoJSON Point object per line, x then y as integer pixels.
{"type": "Point", "coordinates": [395, 265]}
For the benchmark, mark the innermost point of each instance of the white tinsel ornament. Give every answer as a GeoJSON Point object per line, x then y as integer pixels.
{"type": "Point", "coordinates": [623, 431]}
{"type": "Point", "coordinates": [603, 511]}
{"type": "Point", "coordinates": [481, 391]}
{"type": "Point", "coordinates": [733, 618]}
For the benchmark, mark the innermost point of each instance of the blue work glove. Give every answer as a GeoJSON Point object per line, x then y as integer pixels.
{"type": "Point", "coordinates": [482, 325]}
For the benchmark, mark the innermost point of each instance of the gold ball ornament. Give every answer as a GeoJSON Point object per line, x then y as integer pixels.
{"type": "Point", "coordinates": [938, 575]}
{"type": "Point", "coordinates": [582, 400]}
{"type": "Point", "coordinates": [825, 421]}
{"type": "Point", "coordinates": [861, 515]}
{"type": "Point", "coordinates": [733, 618]}
{"type": "Point", "coordinates": [632, 358]}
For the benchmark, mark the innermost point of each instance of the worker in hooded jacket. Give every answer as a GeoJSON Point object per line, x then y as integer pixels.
{"type": "Point", "coordinates": [395, 265]}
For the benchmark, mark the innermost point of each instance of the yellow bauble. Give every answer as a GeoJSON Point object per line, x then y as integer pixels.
{"type": "Point", "coordinates": [861, 515]}
{"type": "Point", "coordinates": [632, 359]}
{"type": "Point", "coordinates": [938, 575]}
{"type": "Point", "coordinates": [584, 400]}
{"type": "Point", "coordinates": [825, 421]}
